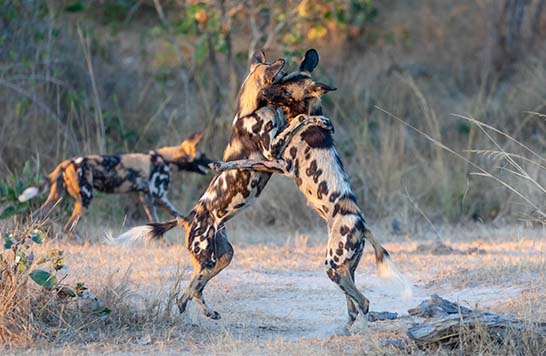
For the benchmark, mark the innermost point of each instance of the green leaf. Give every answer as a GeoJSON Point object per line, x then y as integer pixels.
{"type": "Point", "coordinates": [80, 287]}
{"type": "Point", "coordinates": [7, 212]}
{"type": "Point", "coordinates": [102, 312]}
{"type": "Point", "coordinates": [43, 278]}
{"type": "Point", "coordinates": [66, 292]}
{"type": "Point", "coordinates": [37, 236]}
{"type": "Point", "coordinates": [185, 26]}
{"type": "Point", "coordinates": [19, 188]}
{"type": "Point", "coordinates": [201, 50]}
{"type": "Point", "coordinates": [3, 189]}
{"type": "Point", "coordinates": [21, 207]}
{"type": "Point", "coordinates": [26, 170]}
{"type": "Point", "coordinates": [21, 260]}
{"type": "Point", "coordinates": [8, 242]}
{"type": "Point", "coordinates": [76, 6]}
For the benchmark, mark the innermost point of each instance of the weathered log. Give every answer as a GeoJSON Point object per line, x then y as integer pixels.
{"type": "Point", "coordinates": [376, 316]}
{"type": "Point", "coordinates": [449, 322]}
{"type": "Point", "coordinates": [437, 306]}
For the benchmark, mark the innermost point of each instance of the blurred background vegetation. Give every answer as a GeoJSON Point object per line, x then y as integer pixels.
{"type": "Point", "coordinates": [113, 76]}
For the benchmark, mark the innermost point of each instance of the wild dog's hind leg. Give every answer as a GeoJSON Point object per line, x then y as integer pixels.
{"type": "Point", "coordinates": [352, 308]}
{"type": "Point", "coordinates": [205, 270]}
{"type": "Point", "coordinates": [149, 207]}
{"type": "Point", "coordinates": [342, 258]}
{"type": "Point", "coordinates": [341, 275]}
{"type": "Point", "coordinates": [56, 192]}
{"type": "Point", "coordinates": [70, 226]}
{"type": "Point", "coordinates": [78, 186]}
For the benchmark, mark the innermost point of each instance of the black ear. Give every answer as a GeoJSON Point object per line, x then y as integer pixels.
{"type": "Point", "coordinates": [321, 88]}
{"type": "Point", "coordinates": [274, 69]}
{"type": "Point", "coordinates": [309, 61]}
{"type": "Point", "coordinates": [257, 58]}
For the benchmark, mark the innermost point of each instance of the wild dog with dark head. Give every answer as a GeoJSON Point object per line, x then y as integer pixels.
{"type": "Point", "coordinates": [311, 159]}
{"type": "Point", "coordinates": [255, 130]}
{"type": "Point", "coordinates": [145, 173]}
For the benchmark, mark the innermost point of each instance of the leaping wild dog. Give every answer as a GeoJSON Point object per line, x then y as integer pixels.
{"type": "Point", "coordinates": [145, 173]}
{"type": "Point", "coordinates": [311, 159]}
{"type": "Point", "coordinates": [255, 132]}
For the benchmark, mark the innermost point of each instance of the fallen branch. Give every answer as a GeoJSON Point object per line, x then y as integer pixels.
{"type": "Point", "coordinates": [447, 321]}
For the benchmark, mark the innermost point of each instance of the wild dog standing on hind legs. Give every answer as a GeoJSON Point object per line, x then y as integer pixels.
{"type": "Point", "coordinates": [311, 159]}
{"type": "Point", "coordinates": [145, 173]}
{"type": "Point", "coordinates": [255, 131]}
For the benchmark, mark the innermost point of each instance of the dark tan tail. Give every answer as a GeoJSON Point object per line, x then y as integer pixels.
{"type": "Point", "coordinates": [159, 229]}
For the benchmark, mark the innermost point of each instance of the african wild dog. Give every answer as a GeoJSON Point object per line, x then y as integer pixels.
{"type": "Point", "coordinates": [145, 173]}
{"type": "Point", "coordinates": [255, 130]}
{"type": "Point", "coordinates": [311, 159]}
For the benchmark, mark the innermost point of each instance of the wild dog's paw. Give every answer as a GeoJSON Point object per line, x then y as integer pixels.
{"type": "Point", "coordinates": [323, 122]}
{"type": "Point", "coordinates": [216, 166]}
{"type": "Point", "coordinates": [213, 314]}
{"type": "Point", "coordinates": [276, 150]}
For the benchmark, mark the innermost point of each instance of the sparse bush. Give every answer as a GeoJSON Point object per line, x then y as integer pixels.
{"type": "Point", "coordinates": [24, 309]}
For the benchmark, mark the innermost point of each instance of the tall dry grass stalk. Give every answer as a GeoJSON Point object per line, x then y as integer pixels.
{"type": "Point", "coordinates": [519, 181]}
{"type": "Point", "coordinates": [73, 85]}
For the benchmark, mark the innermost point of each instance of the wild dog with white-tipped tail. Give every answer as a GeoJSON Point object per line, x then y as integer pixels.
{"type": "Point", "coordinates": [256, 132]}
{"type": "Point", "coordinates": [311, 159]}
{"type": "Point", "coordinates": [147, 174]}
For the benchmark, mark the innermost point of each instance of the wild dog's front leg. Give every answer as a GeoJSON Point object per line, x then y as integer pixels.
{"type": "Point", "coordinates": [167, 204]}
{"type": "Point", "coordinates": [273, 166]}
{"type": "Point", "coordinates": [287, 134]}
{"type": "Point", "coordinates": [149, 207]}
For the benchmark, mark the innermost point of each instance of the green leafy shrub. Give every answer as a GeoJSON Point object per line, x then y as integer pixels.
{"type": "Point", "coordinates": [18, 264]}
{"type": "Point", "coordinates": [12, 187]}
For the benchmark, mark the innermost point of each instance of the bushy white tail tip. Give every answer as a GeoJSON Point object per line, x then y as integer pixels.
{"type": "Point", "coordinates": [135, 237]}
{"type": "Point", "coordinates": [28, 194]}
{"type": "Point", "coordinates": [394, 279]}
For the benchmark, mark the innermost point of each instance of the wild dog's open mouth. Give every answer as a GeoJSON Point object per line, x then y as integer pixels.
{"type": "Point", "coordinates": [202, 164]}
{"type": "Point", "coordinates": [199, 165]}
{"type": "Point", "coordinates": [203, 169]}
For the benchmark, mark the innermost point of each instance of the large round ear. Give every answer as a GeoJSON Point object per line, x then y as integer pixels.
{"type": "Point", "coordinates": [258, 57]}
{"type": "Point", "coordinates": [274, 69]}
{"type": "Point", "coordinates": [189, 145]}
{"type": "Point", "coordinates": [309, 61]}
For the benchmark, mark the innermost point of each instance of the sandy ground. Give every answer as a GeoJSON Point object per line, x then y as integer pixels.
{"type": "Point", "coordinates": [277, 299]}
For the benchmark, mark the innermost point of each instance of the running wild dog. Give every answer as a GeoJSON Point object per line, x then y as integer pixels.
{"type": "Point", "coordinates": [312, 160]}
{"type": "Point", "coordinates": [145, 173]}
{"type": "Point", "coordinates": [255, 130]}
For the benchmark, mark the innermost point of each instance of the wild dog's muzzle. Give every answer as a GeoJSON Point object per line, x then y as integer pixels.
{"type": "Point", "coordinates": [198, 165]}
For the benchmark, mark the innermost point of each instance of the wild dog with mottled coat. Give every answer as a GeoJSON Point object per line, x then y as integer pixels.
{"type": "Point", "coordinates": [145, 173]}
{"type": "Point", "coordinates": [311, 159]}
{"type": "Point", "coordinates": [255, 131]}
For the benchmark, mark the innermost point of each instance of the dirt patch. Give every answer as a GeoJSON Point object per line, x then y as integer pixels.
{"type": "Point", "coordinates": [279, 300]}
{"type": "Point", "coordinates": [269, 304]}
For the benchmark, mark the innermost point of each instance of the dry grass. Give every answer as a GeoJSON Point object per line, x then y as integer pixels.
{"type": "Point", "coordinates": [70, 87]}
{"type": "Point", "coordinates": [87, 88]}
{"type": "Point", "coordinates": [275, 298]}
